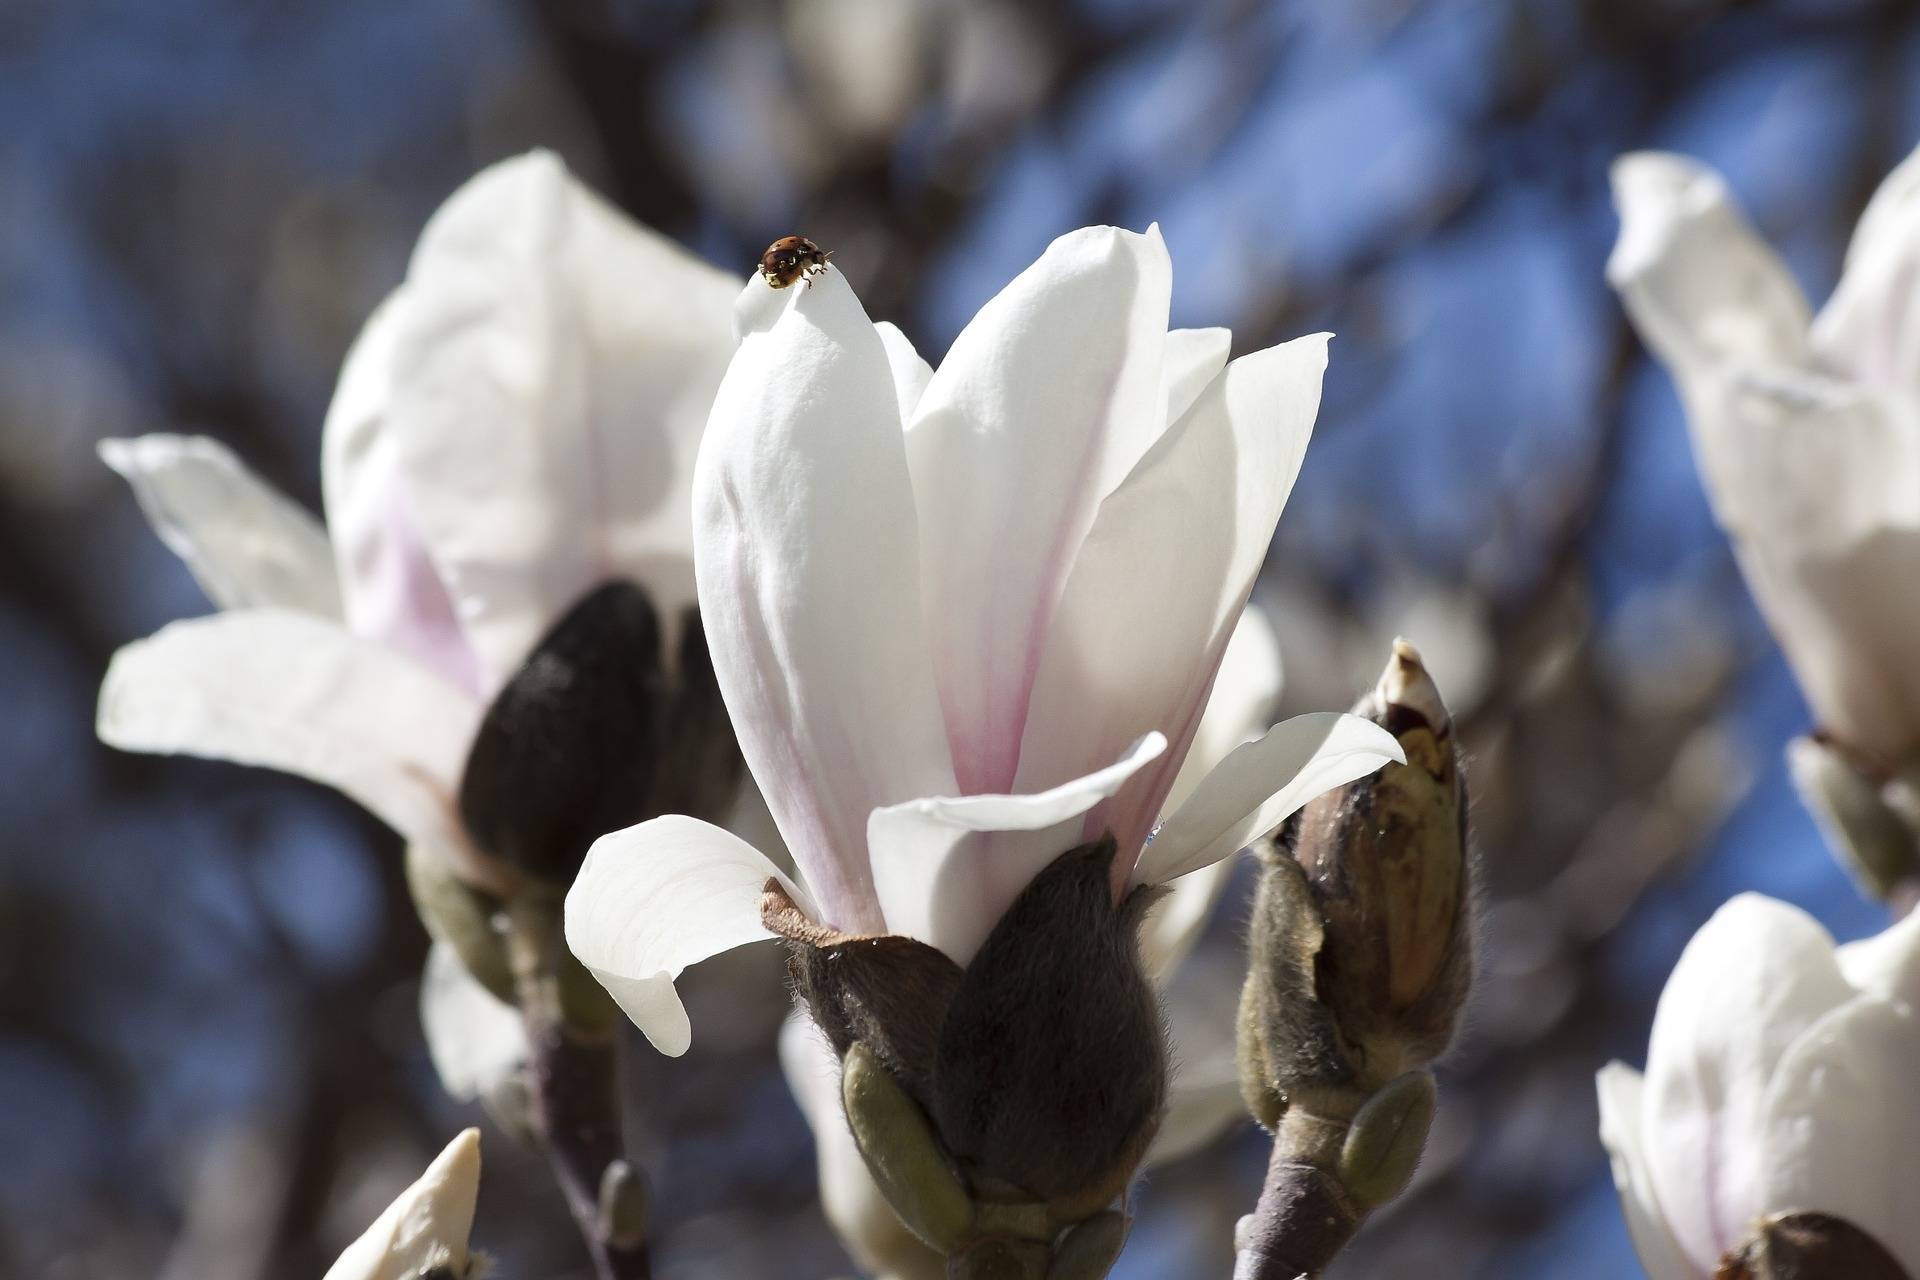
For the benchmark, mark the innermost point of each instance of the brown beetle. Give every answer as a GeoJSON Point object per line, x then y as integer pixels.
{"type": "Point", "coordinates": [792, 258]}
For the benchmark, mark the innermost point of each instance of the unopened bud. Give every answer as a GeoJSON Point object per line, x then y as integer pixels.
{"type": "Point", "coordinates": [460, 916]}
{"type": "Point", "coordinates": [1388, 1135]}
{"type": "Point", "coordinates": [1810, 1246]}
{"type": "Point", "coordinates": [1088, 1251]}
{"type": "Point", "coordinates": [1867, 835]}
{"type": "Point", "coordinates": [623, 1206]}
{"type": "Point", "coordinates": [568, 750]}
{"type": "Point", "coordinates": [903, 1153]}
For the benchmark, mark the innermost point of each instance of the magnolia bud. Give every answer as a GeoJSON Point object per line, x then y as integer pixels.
{"type": "Point", "coordinates": [1386, 1139]}
{"type": "Point", "coordinates": [1810, 1246]}
{"type": "Point", "coordinates": [460, 916]}
{"type": "Point", "coordinates": [1869, 836]}
{"type": "Point", "coordinates": [998, 1105]}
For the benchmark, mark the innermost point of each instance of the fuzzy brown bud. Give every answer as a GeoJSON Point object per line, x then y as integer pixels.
{"type": "Point", "coordinates": [1810, 1246]}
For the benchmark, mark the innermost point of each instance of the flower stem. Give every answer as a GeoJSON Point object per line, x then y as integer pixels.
{"type": "Point", "coordinates": [1304, 1218]}
{"type": "Point", "coordinates": [576, 1101]}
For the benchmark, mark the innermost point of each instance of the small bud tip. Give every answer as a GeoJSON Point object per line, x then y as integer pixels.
{"type": "Point", "coordinates": [1405, 683]}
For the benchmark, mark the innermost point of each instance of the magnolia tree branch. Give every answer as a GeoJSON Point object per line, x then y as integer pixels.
{"type": "Point", "coordinates": [576, 1100]}
{"type": "Point", "coordinates": [1304, 1218]}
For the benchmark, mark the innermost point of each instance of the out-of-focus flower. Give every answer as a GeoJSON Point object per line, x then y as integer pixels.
{"type": "Point", "coordinates": [966, 622]}
{"type": "Point", "coordinates": [424, 1231]}
{"type": "Point", "coordinates": [1807, 430]}
{"type": "Point", "coordinates": [1203, 1096]}
{"type": "Point", "coordinates": [507, 555]}
{"type": "Point", "coordinates": [1779, 1079]}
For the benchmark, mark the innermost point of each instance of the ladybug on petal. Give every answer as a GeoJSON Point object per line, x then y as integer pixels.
{"type": "Point", "coordinates": [792, 258]}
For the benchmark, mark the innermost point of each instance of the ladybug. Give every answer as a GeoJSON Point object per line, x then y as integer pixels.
{"type": "Point", "coordinates": [792, 258]}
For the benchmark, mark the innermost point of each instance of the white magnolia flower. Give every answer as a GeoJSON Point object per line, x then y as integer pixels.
{"type": "Point", "coordinates": [516, 424]}
{"type": "Point", "coordinates": [966, 619]}
{"type": "Point", "coordinates": [1807, 430]}
{"type": "Point", "coordinates": [426, 1227]}
{"type": "Point", "coordinates": [1779, 1079]}
{"type": "Point", "coordinates": [1203, 1098]}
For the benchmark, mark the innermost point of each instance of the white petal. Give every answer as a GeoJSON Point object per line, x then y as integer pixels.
{"type": "Point", "coordinates": [1176, 922]}
{"type": "Point", "coordinates": [1241, 704]}
{"type": "Point", "coordinates": [866, 1224]}
{"type": "Point", "coordinates": [1703, 289]}
{"type": "Point", "coordinates": [657, 897]}
{"type": "Point", "coordinates": [946, 868]}
{"type": "Point", "coordinates": [1163, 577]}
{"type": "Point", "coordinates": [1751, 981]}
{"type": "Point", "coordinates": [911, 372]}
{"type": "Point", "coordinates": [475, 1039]}
{"type": "Point", "coordinates": [551, 377]}
{"type": "Point", "coordinates": [1260, 784]}
{"type": "Point", "coordinates": [292, 692]}
{"type": "Point", "coordinates": [246, 542]}
{"type": "Point", "coordinates": [1870, 328]}
{"type": "Point", "coordinates": [1841, 1134]}
{"type": "Point", "coordinates": [1195, 357]}
{"type": "Point", "coordinates": [1203, 1092]}
{"type": "Point", "coordinates": [1044, 402]}
{"type": "Point", "coordinates": [1621, 1112]}
{"type": "Point", "coordinates": [1887, 964]}
{"type": "Point", "coordinates": [809, 587]}
{"type": "Point", "coordinates": [389, 587]}
{"type": "Point", "coordinates": [427, 1225]}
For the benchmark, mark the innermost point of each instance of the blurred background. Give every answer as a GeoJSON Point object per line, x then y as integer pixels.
{"type": "Point", "coordinates": [210, 1058]}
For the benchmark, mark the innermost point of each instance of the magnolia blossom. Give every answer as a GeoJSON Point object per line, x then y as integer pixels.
{"type": "Point", "coordinates": [1779, 1080]}
{"type": "Point", "coordinates": [516, 425]}
{"type": "Point", "coordinates": [966, 619]}
{"type": "Point", "coordinates": [424, 1231]}
{"type": "Point", "coordinates": [1807, 429]}
{"type": "Point", "coordinates": [1204, 1098]}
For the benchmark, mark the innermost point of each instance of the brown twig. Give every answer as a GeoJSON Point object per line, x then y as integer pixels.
{"type": "Point", "coordinates": [1303, 1220]}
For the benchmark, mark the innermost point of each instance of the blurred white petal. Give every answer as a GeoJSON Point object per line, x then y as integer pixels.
{"type": "Point", "coordinates": [247, 543]}
{"type": "Point", "coordinates": [1870, 327]}
{"type": "Point", "coordinates": [809, 586]}
{"type": "Point", "coordinates": [657, 897]}
{"type": "Point", "coordinates": [1888, 963]}
{"type": "Point", "coordinates": [1044, 402]}
{"type": "Point", "coordinates": [1260, 784]}
{"type": "Point", "coordinates": [475, 1039]}
{"type": "Point", "coordinates": [1621, 1089]}
{"type": "Point", "coordinates": [426, 1226]}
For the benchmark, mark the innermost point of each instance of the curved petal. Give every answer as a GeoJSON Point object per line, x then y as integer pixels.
{"type": "Point", "coordinates": [1840, 1134]}
{"type": "Point", "coordinates": [657, 897]}
{"type": "Point", "coordinates": [551, 377]}
{"type": "Point", "coordinates": [809, 586]}
{"type": "Point", "coordinates": [1749, 984]}
{"type": "Point", "coordinates": [1195, 358]}
{"type": "Point", "coordinates": [292, 692]}
{"type": "Point", "coordinates": [911, 372]}
{"type": "Point", "coordinates": [1260, 784]}
{"type": "Point", "coordinates": [426, 1227]}
{"type": "Point", "coordinates": [1870, 328]}
{"type": "Point", "coordinates": [1702, 288]}
{"type": "Point", "coordinates": [1620, 1088]}
{"type": "Point", "coordinates": [1887, 964]}
{"type": "Point", "coordinates": [389, 588]}
{"type": "Point", "coordinates": [854, 1204]}
{"type": "Point", "coordinates": [246, 542]}
{"type": "Point", "coordinates": [1163, 578]}
{"type": "Point", "coordinates": [947, 867]}
{"type": "Point", "coordinates": [476, 1040]}
{"type": "Point", "coordinates": [1044, 402]}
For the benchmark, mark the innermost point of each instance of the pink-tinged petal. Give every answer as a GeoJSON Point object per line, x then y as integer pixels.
{"type": "Point", "coordinates": [854, 1204]}
{"type": "Point", "coordinates": [1621, 1089]}
{"type": "Point", "coordinates": [426, 1227]}
{"type": "Point", "coordinates": [911, 372]}
{"type": "Point", "coordinates": [1870, 328]}
{"type": "Point", "coordinates": [1841, 1133]}
{"type": "Point", "coordinates": [657, 897]}
{"type": "Point", "coordinates": [1195, 357]}
{"type": "Point", "coordinates": [1702, 288]}
{"type": "Point", "coordinates": [1047, 398]}
{"type": "Point", "coordinates": [476, 1041]}
{"type": "Point", "coordinates": [809, 587]}
{"type": "Point", "coordinates": [947, 867]}
{"type": "Point", "coordinates": [390, 590]}
{"type": "Point", "coordinates": [551, 376]}
{"type": "Point", "coordinates": [1886, 965]}
{"type": "Point", "coordinates": [246, 543]}
{"type": "Point", "coordinates": [1750, 983]}
{"type": "Point", "coordinates": [293, 692]}
{"type": "Point", "coordinates": [1160, 583]}
{"type": "Point", "coordinates": [1259, 785]}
